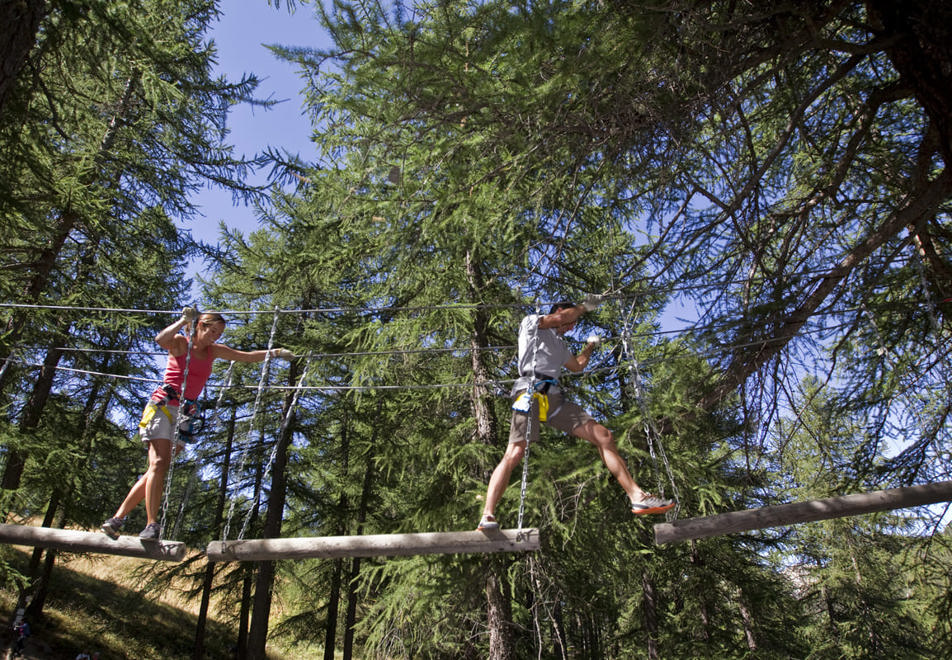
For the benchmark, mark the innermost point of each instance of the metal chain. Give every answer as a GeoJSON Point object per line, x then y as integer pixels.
{"type": "Point", "coordinates": [175, 427]}
{"type": "Point", "coordinates": [655, 446]}
{"type": "Point", "coordinates": [533, 337]}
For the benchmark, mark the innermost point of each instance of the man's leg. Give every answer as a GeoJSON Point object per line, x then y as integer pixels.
{"type": "Point", "coordinates": [641, 502]}
{"type": "Point", "coordinates": [604, 441]}
{"type": "Point", "coordinates": [499, 481]}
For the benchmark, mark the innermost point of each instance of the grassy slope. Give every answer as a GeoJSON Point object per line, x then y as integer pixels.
{"type": "Point", "coordinates": [93, 604]}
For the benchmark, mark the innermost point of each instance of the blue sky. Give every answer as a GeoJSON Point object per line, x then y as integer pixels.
{"type": "Point", "coordinates": [245, 28]}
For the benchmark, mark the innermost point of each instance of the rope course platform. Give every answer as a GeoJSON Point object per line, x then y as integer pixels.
{"type": "Point", "coordinates": [375, 545]}
{"type": "Point", "coordinates": [799, 512]}
{"type": "Point", "coordinates": [71, 540]}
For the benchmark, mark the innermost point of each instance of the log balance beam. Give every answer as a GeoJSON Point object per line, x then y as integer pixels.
{"type": "Point", "coordinates": [373, 545]}
{"type": "Point", "coordinates": [799, 512]}
{"type": "Point", "coordinates": [71, 540]}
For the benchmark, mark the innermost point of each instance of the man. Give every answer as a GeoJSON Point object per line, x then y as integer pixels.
{"type": "Point", "coordinates": [542, 354]}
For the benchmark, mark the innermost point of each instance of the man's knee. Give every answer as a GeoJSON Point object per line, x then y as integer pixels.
{"type": "Point", "coordinates": [514, 452]}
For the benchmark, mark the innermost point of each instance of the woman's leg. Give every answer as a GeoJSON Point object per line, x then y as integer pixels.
{"type": "Point", "coordinates": [160, 456]}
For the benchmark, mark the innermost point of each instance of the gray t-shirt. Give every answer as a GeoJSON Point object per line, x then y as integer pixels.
{"type": "Point", "coordinates": [541, 350]}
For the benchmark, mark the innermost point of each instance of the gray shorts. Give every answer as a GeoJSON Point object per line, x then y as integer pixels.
{"type": "Point", "coordinates": [564, 415]}
{"type": "Point", "coordinates": [156, 425]}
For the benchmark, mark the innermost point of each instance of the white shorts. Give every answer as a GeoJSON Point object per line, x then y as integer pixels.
{"type": "Point", "coordinates": [156, 425]}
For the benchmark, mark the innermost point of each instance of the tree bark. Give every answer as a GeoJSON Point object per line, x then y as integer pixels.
{"type": "Point", "coordinates": [333, 600]}
{"type": "Point", "coordinates": [919, 38]}
{"type": "Point", "coordinates": [198, 650]}
{"type": "Point", "coordinates": [19, 22]}
{"type": "Point", "coordinates": [264, 583]}
{"type": "Point", "coordinates": [362, 508]}
{"type": "Point", "coordinates": [499, 614]}
{"type": "Point", "coordinates": [649, 610]}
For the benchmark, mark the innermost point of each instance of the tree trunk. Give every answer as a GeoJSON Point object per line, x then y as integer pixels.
{"type": "Point", "coordinates": [362, 507]}
{"type": "Point", "coordinates": [42, 267]}
{"type": "Point", "coordinates": [244, 634]}
{"type": "Point", "coordinates": [703, 610]}
{"type": "Point", "coordinates": [32, 412]}
{"type": "Point", "coordinates": [919, 34]}
{"type": "Point", "coordinates": [198, 650]}
{"type": "Point", "coordinates": [499, 614]}
{"type": "Point", "coordinates": [333, 600]}
{"type": "Point", "coordinates": [19, 23]}
{"type": "Point", "coordinates": [748, 620]}
{"type": "Point", "coordinates": [264, 584]}
{"type": "Point", "coordinates": [650, 614]}
{"type": "Point", "coordinates": [498, 607]}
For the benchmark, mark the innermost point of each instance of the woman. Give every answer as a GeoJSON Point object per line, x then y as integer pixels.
{"type": "Point", "coordinates": [161, 413]}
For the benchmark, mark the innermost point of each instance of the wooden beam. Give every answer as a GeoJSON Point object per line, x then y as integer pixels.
{"type": "Point", "coordinates": [798, 512]}
{"type": "Point", "coordinates": [372, 545]}
{"type": "Point", "coordinates": [71, 540]}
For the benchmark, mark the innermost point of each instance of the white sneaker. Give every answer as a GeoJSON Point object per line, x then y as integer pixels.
{"type": "Point", "coordinates": [487, 522]}
{"type": "Point", "coordinates": [650, 504]}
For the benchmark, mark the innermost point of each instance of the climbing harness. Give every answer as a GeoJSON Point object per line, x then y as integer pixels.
{"type": "Point", "coordinates": [191, 421]}
{"type": "Point", "coordinates": [537, 393]}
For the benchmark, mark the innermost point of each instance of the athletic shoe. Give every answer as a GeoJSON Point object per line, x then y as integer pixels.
{"type": "Point", "coordinates": [112, 527]}
{"type": "Point", "coordinates": [151, 532]}
{"type": "Point", "coordinates": [650, 504]}
{"type": "Point", "coordinates": [487, 522]}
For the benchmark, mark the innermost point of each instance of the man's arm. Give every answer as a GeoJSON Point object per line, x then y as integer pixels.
{"type": "Point", "coordinates": [580, 361]}
{"type": "Point", "coordinates": [570, 314]}
{"type": "Point", "coordinates": [561, 317]}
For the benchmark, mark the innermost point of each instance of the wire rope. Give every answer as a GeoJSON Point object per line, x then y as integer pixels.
{"type": "Point", "coordinates": [665, 289]}
{"type": "Point", "coordinates": [652, 434]}
{"type": "Point", "coordinates": [285, 423]}
{"type": "Point", "coordinates": [533, 404]}
{"type": "Point", "coordinates": [265, 370]}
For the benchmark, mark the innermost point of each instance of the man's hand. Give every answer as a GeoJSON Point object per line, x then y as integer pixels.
{"type": "Point", "coordinates": [593, 340]}
{"type": "Point", "coordinates": [592, 301]}
{"type": "Point", "coordinates": [190, 314]}
{"type": "Point", "coordinates": [282, 353]}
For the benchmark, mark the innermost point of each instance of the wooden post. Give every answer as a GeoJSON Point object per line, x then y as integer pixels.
{"type": "Point", "coordinates": [798, 512]}
{"type": "Point", "coordinates": [509, 540]}
{"type": "Point", "coordinates": [71, 540]}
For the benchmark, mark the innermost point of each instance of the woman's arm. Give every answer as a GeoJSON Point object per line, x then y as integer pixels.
{"type": "Point", "coordinates": [228, 353]}
{"type": "Point", "coordinates": [170, 339]}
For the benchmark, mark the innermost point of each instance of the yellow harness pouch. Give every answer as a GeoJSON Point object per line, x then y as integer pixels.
{"type": "Point", "coordinates": [149, 413]}
{"type": "Point", "coordinates": [543, 400]}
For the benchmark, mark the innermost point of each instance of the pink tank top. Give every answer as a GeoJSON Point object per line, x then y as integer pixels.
{"type": "Point", "coordinates": [198, 372]}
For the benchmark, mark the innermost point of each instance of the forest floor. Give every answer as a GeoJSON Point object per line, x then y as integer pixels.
{"type": "Point", "coordinates": [101, 603]}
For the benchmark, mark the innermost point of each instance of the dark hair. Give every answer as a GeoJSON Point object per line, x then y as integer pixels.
{"type": "Point", "coordinates": [565, 304]}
